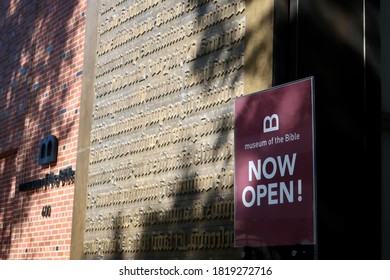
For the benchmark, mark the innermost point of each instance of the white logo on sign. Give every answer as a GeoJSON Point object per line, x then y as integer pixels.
{"type": "Point", "coordinates": [271, 123]}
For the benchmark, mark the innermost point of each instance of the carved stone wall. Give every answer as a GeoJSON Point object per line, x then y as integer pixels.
{"type": "Point", "coordinates": [160, 178]}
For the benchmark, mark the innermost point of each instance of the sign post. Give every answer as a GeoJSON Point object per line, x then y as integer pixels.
{"type": "Point", "coordinates": [275, 201]}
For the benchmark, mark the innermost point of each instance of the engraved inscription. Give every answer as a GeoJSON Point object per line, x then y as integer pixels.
{"type": "Point", "coordinates": [161, 174]}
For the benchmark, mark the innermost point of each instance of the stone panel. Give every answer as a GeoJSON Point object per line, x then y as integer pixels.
{"type": "Point", "coordinates": [160, 176]}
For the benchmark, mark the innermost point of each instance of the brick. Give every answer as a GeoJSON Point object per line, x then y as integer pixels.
{"type": "Point", "coordinates": [39, 61]}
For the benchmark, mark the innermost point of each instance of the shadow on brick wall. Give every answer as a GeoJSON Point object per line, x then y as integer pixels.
{"type": "Point", "coordinates": [37, 55]}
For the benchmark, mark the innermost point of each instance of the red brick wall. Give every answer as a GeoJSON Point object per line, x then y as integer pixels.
{"type": "Point", "coordinates": [41, 62]}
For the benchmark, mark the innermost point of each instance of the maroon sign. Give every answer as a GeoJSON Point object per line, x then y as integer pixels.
{"type": "Point", "coordinates": [274, 166]}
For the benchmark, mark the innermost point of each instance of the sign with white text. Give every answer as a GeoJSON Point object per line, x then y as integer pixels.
{"type": "Point", "coordinates": [274, 167]}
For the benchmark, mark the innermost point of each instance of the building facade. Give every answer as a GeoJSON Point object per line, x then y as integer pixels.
{"type": "Point", "coordinates": [138, 98]}
{"type": "Point", "coordinates": [41, 54]}
{"type": "Point", "coordinates": [158, 65]}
